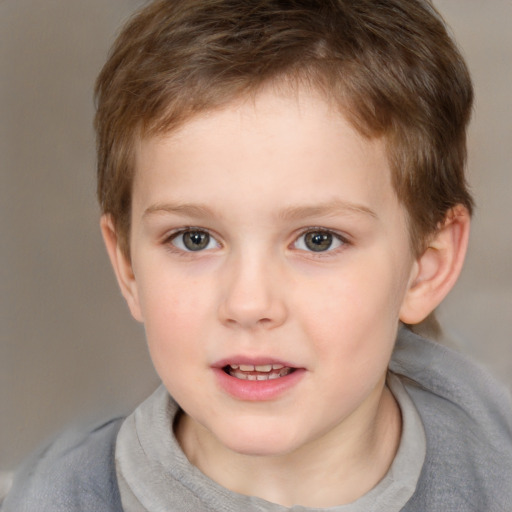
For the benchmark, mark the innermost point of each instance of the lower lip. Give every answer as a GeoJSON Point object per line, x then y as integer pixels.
{"type": "Point", "coordinates": [257, 390]}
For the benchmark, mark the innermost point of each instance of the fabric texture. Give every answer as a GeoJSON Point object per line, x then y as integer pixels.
{"type": "Point", "coordinates": [468, 423]}
{"type": "Point", "coordinates": [76, 473]}
{"type": "Point", "coordinates": [466, 415]}
{"type": "Point", "coordinates": [154, 474]}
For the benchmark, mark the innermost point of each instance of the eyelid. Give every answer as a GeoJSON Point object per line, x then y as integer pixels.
{"type": "Point", "coordinates": [170, 237]}
{"type": "Point", "coordinates": [343, 238]}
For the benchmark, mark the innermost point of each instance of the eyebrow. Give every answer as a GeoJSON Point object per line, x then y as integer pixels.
{"type": "Point", "coordinates": [290, 213]}
{"type": "Point", "coordinates": [334, 207]}
{"type": "Point", "coordinates": [188, 209]}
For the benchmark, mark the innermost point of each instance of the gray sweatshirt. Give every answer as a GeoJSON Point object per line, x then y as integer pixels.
{"type": "Point", "coordinates": [467, 466]}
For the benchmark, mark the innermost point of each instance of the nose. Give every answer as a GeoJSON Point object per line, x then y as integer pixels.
{"type": "Point", "coordinates": [253, 294]}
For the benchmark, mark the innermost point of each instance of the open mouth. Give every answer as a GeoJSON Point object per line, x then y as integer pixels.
{"type": "Point", "coordinates": [257, 372]}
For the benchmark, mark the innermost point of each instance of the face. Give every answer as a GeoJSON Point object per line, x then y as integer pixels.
{"type": "Point", "coordinates": [270, 261]}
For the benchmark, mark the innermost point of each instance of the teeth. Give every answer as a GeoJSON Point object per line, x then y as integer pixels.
{"type": "Point", "coordinates": [263, 368]}
{"type": "Point", "coordinates": [271, 374]}
{"type": "Point", "coordinates": [258, 368]}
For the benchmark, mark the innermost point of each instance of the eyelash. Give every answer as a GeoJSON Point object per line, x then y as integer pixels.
{"type": "Point", "coordinates": [189, 229]}
{"type": "Point", "coordinates": [343, 241]}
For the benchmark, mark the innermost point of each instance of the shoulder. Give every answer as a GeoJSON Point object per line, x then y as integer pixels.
{"type": "Point", "coordinates": [467, 418]}
{"type": "Point", "coordinates": [76, 472]}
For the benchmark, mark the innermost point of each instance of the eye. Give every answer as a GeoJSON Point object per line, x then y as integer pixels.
{"type": "Point", "coordinates": [318, 241]}
{"type": "Point", "coordinates": [193, 240]}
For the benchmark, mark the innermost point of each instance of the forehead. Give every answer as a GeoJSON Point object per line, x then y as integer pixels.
{"type": "Point", "coordinates": [291, 146]}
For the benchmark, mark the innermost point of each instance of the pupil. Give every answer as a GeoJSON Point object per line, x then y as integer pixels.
{"type": "Point", "coordinates": [196, 240]}
{"type": "Point", "coordinates": [318, 241]}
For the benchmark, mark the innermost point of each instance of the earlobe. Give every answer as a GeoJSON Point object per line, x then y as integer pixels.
{"type": "Point", "coordinates": [437, 269]}
{"type": "Point", "coordinates": [122, 266]}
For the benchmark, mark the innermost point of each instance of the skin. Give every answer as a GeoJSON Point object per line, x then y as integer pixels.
{"type": "Point", "coordinates": [256, 176]}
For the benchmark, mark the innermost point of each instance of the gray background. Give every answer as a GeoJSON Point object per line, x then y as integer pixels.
{"type": "Point", "coordinates": [69, 350]}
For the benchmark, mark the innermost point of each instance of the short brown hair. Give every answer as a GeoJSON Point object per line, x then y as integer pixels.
{"type": "Point", "coordinates": [389, 64]}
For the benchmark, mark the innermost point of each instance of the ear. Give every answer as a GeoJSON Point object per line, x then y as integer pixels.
{"type": "Point", "coordinates": [437, 269]}
{"type": "Point", "coordinates": [122, 267]}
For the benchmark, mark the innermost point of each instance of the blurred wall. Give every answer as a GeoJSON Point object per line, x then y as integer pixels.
{"type": "Point", "coordinates": [68, 347]}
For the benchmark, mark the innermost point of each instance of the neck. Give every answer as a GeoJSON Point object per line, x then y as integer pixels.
{"type": "Point", "coordinates": [336, 469]}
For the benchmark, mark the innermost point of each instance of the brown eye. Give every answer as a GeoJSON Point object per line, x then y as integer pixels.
{"type": "Point", "coordinates": [193, 240]}
{"type": "Point", "coordinates": [318, 241]}
{"type": "Point", "coordinates": [196, 240]}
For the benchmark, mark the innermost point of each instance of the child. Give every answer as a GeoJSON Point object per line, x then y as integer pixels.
{"type": "Point", "coordinates": [283, 196]}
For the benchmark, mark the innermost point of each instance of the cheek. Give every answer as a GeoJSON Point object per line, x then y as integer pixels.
{"type": "Point", "coordinates": [354, 314]}
{"type": "Point", "coordinates": [174, 310]}
{"type": "Point", "coordinates": [353, 296]}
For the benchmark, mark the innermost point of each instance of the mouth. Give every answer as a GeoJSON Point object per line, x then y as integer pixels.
{"type": "Point", "coordinates": [257, 380]}
{"type": "Point", "coordinates": [262, 372]}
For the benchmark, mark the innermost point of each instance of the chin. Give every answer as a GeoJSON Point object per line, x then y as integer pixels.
{"type": "Point", "coordinates": [259, 442]}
